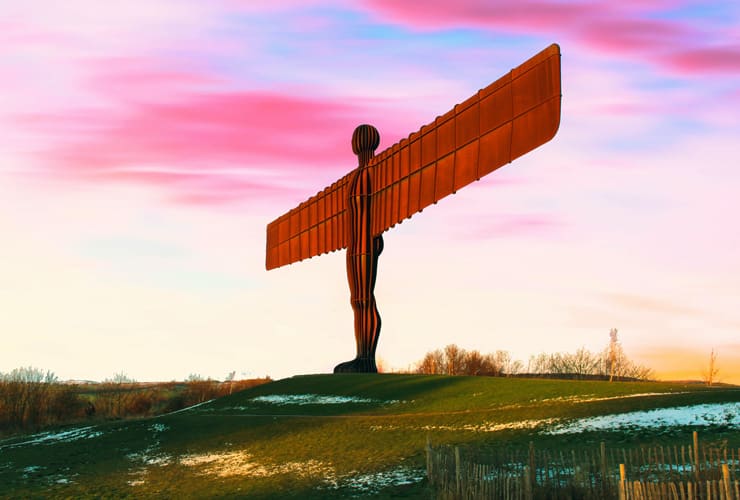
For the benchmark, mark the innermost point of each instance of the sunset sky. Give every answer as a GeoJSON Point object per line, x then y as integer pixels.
{"type": "Point", "coordinates": [144, 147]}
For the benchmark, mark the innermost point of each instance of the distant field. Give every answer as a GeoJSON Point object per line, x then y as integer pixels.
{"type": "Point", "coordinates": [324, 436]}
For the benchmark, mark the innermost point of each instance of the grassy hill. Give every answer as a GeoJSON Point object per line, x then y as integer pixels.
{"type": "Point", "coordinates": [339, 435]}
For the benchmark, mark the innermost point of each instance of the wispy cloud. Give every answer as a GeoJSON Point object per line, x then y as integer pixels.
{"type": "Point", "coordinates": [646, 304]}
{"type": "Point", "coordinates": [167, 128]}
{"type": "Point", "coordinates": [632, 30]}
{"type": "Point", "coordinates": [507, 225]}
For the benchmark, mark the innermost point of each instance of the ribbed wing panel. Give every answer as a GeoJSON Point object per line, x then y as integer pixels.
{"type": "Point", "coordinates": [314, 227]}
{"type": "Point", "coordinates": [512, 116]}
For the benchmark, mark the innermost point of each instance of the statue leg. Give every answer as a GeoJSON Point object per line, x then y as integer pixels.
{"type": "Point", "coordinates": [361, 273]}
{"type": "Point", "coordinates": [373, 328]}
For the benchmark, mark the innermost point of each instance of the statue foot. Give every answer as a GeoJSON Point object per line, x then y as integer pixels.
{"type": "Point", "coordinates": [357, 365]}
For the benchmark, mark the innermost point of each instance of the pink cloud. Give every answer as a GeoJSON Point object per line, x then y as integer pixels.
{"type": "Point", "coordinates": [199, 131]}
{"type": "Point", "coordinates": [707, 59]}
{"type": "Point", "coordinates": [508, 225]}
{"type": "Point", "coordinates": [620, 27]}
{"type": "Point", "coordinates": [205, 188]}
{"type": "Point", "coordinates": [172, 129]}
{"type": "Point", "coordinates": [130, 78]}
{"type": "Point", "coordinates": [629, 109]}
{"type": "Point", "coordinates": [431, 14]}
{"type": "Point", "coordinates": [632, 35]}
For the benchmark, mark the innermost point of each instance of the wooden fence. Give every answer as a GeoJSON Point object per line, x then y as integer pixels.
{"type": "Point", "coordinates": [687, 472]}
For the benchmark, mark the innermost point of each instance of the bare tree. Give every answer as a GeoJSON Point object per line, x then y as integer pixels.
{"type": "Point", "coordinates": [115, 395]}
{"type": "Point", "coordinates": [454, 358]}
{"type": "Point", "coordinates": [230, 379]}
{"type": "Point", "coordinates": [583, 362]}
{"type": "Point", "coordinates": [25, 394]}
{"type": "Point", "coordinates": [432, 363]}
{"type": "Point", "coordinates": [538, 363]}
{"type": "Point", "coordinates": [475, 363]}
{"type": "Point", "coordinates": [710, 375]}
{"type": "Point", "coordinates": [504, 363]}
{"type": "Point", "coordinates": [200, 389]}
{"type": "Point", "coordinates": [613, 345]}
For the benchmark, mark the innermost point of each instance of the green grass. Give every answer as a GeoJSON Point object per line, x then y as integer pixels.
{"type": "Point", "coordinates": [290, 451]}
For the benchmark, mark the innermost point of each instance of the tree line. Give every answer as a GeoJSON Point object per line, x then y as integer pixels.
{"type": "Point", "coordinates": [31, 398]}
{"type": "Point", "coordinates": [611, 363]}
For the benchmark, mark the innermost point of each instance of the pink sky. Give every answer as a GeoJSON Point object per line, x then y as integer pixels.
{"type": "Point", "coordinates": [143, 150]}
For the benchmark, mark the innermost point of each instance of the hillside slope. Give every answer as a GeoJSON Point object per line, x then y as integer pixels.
{"type": "Point", "coordinates": [333, 435]}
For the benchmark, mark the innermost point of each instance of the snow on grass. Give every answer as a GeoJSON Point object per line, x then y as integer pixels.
{"type": "Point", "coordinates": [376, 481]}
{"type": "Point", "coordinates": [315, 399]}
{"type": "Point", "coordinates": [148, 457]}
{"type": "Point", "coordinates": [491, 426]}
{"type": "Point", "coordinates": [725, 414]}
{"type": "Point", "coordinates": [588, 398]}
{"type": "Point", "coordinates": [240, 463]}
{"type": "Point", "coordinates": [139, 477]}
{"type": "Point", "coordinates": [482, 427]}
{"type": "Point", "coordinates": [158, 428]}
{"type": "Point", "coordinates": [52, 437]}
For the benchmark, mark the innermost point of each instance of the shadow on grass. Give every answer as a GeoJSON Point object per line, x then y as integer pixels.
{"type": "Point", "coordinates": [364, 393]}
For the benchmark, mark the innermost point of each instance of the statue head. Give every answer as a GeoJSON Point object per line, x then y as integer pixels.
{"type": "Point", "coordinates": [365, 138]}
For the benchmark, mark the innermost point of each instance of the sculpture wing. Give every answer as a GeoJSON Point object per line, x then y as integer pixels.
{"type": "Point", "coordinates": [314, 227]}
{"type": "Point", "coordinates": [512, 116]}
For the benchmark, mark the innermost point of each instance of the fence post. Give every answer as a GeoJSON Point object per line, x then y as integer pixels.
{"type": "Point", "coordinates": [527, 483]}
{"type": "Point", "coordinates": [532, 468]}
{"type": "Point", "coordinates": [726, 481]}
{"type": "Point", "coordinates": [457, 470]}
{"type": "Point", "coordinates": [429, 458]}
{"type": "Point", "coordinates": [696, 455]}
{"type": "Point", "coordinates": [622, 479]}
{"type": "Point", "coordinates": [603, 467]}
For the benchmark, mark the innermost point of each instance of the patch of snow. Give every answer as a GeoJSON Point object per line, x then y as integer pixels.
{"type": "Point", "coordinates": [158, 427]}
{"type": "Point", "coordinates": [31, 469]}
{"type": "Point", "coordinates": [375, 481]}
{"type": "Point", "coordinates": [482, 427]}
{"type": "Point", "coordinates": [315, 399]}
{"type": "Point", "coordinates": [51, 437]}
{"type": "Point", "coordinates": [63, 480]}
{"type": "Point", "coordinates": [139, 477]}
{"type": "Point", "coordinates": [724, 414]}
{"type": "Point", "coordinates": [147, 457]}
{"type": "Point", "coordinates": [240, 463]}
{"type": "Point", "coordinates": [587, 398]}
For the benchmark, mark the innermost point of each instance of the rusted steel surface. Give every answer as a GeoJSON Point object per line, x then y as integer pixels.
{"type": "Point", "coordinates": [314, 227]}
{"type": "Point", "coordinates": [512, 116]}
{"type": "Point", "coordinates": [515, 114]}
